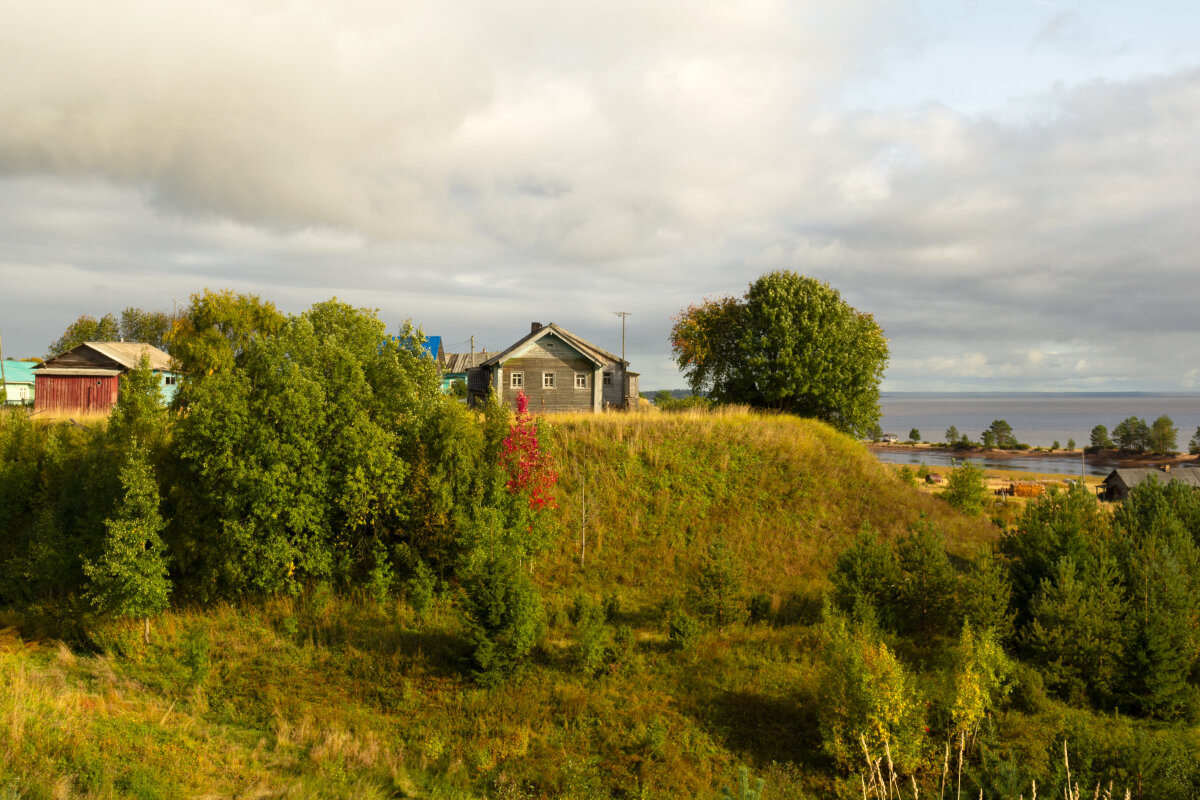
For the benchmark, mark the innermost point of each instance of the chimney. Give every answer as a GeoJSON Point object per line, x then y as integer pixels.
{"type": "Point", "coordinates": [534, 327]}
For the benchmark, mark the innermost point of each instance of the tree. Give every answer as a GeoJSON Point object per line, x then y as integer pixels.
{"type": "Point", "coordinates": [1003, 433]}
{"type": "Point", "coordinates": [1070, 444]}
{"type": "Point", "coordinates": [86, 329]}
{"type": "Point", "coordinates": [129, 578]}
{"type": "Point", "coordinates": [1194, 444]}
{"type": "Point", "coordinates": [791, 343]}
{"type": "Point", "coordinates": [1132, 434]}
{"type": "Point", "coordinates": [926, 594]}
{"type": "Point", "coordinates": [217, 329]}
{"type": "Point", "coordinates": [952, 435]}
{"type": "Point", "coordinates": [504, 617]}
{"type": "Point", "coordinates": [149, 327]}
{"type": "Point", "coordinates": [1099, 439]}
{"type": "Point", "coordinates": [1163, 435]}
{"type": "Point", "coordinates": [965, 489]}
{"type": "Point", "coordinates": [914, 435]}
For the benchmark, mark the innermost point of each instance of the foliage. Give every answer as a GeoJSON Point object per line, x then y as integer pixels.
{"type": "Point", "coordinates": [925, 596]}
{"type": "Point", "coordinates": [1002, 433]}
{"type": "Point", "coordinates": [218, 328]}
{"type": "Point", "coordinates": [1132, 435]}
{"type": "Point", "coordinates": [866, 693]}
{"type": "Point", "coordinates": [980, 679]}
{"type": "Point", "coordinates": [504, 617]}
{"type": "Point", "coordinates": [129, 577]}
{"type": "Point", "coordinates": [965, 489]}
{"type": "Point", "coordinates": [1194, 442]}
{"type": "Point", "coordinates": [952, 435]}
{"type": "Point", "coordinates": [914, 435]}
{"type": "Point", "coordinates": [1163, 434]}
{"type": "Point", "coordinates": [458, 389]}
{"type": "Point", "coordinates": [790, 344]}
{"type": "Point", "coordinates": [150, 327]}
{"type": "Point", "coordinates": [866, 580]}
{"type": "Point", "coordinates": [718, 587]}
{"type": "Point", "coordinates": [1099, 438]}
{"type": "Point", "coordinates": [86, 329]}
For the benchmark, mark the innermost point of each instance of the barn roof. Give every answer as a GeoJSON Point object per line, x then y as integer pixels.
{"type": "Point", "coordinates": [1133, 476]}
{"type": "Point", "coordinates": [80, 372]}
{"type": "Point", "coordinates": [585, 348]}
{"type": "Point", "coordinates": [125, 354]}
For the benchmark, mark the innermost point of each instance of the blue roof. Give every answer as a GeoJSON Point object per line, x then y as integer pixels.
{"type": "Point", "coordinates": [18, 371]}
{"type": "Point", "coordinates": [432, 345]}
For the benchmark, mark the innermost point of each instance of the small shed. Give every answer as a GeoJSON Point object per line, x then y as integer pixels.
{"type": "Point", "coordinates": [17, 377]}
{"type": "Point", "coordinates": [86, 378]}
{"type": "Point", "coordinates": [1120, 482]}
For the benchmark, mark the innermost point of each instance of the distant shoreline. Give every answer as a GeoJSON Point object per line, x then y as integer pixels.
{"type": "Point", "coordinates": [1113, 458]}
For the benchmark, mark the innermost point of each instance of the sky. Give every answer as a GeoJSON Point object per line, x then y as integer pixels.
{"type": "Point", "coordinates": [1010, 187]}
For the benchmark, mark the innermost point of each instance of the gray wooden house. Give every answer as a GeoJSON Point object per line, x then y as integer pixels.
{"type": "Point", "coordinates": [1120, 482]}
{"type": "Point", "coordinates": [558, 371]}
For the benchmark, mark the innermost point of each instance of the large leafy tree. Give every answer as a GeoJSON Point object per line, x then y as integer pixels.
{"type": "Point", "coordinates": [791, 343]}
{"type": "Point", "coordinates": [217, 329]}
{"type": "Point", "coordinates": [1163, 435]}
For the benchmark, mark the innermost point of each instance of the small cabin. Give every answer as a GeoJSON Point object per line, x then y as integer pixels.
{"type": "Point", "coordinates": [1120, 482]}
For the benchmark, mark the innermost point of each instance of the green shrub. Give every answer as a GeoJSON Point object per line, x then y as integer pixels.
{"type": "Point", "coordinates": [965, 489]}
{"type": "Point", "coordinates": [718, 587]}
{"type": "Point", "coordinates": [504, 618]}
{"type": "Point", "coordinates": [682, 630]}
{"type": "Point", "coordinates": [760, 607]}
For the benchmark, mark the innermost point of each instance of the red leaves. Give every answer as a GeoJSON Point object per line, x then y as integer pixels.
{"type": "Point", "coordinates": [528, 467]}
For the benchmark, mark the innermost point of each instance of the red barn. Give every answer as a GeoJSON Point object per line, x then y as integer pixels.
{"type": "Point", "coordinates": [85, 378]}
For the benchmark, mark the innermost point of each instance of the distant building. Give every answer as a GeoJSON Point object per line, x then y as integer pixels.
{"type": "Point", "coordinates": [1120, 482]}
{"type": "Point", "coordinates": [457, 365]}
{"type": "Point", "coordinates": [85, 378]}
{"type": "Point", "coordinates": [557, 371]}
{"type": "Point", "coordinates": [18, 382]}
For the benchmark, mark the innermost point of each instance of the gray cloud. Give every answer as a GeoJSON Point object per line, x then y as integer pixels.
{"type": "Point", "coordinates": [477, 167]}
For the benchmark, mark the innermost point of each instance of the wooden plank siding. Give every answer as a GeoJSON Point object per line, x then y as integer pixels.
{"type": "Point", "coordinates": [75, 392]}
{"type": "Point", "coordinates": [532, 367]}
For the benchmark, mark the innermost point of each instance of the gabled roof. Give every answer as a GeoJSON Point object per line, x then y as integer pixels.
{"type": "Point", "coordinates": [1134, 476]}
{"type": "Point", "coordinates": [127, 354]}
{"type": "Point", "coordinates": [432, 346]}
{"type": "Point", "coordinates": [585, 348]}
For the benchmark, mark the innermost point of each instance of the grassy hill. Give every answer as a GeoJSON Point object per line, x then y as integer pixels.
{"type": "Point", "coordinates": [332, 696]}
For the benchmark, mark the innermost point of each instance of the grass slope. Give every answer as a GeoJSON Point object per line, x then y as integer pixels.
{"type": "Point", "coordinates": [328, 696]}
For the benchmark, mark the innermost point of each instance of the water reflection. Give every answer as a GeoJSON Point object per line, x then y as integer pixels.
{"type": "Point", "coordinates": [1050, 465]}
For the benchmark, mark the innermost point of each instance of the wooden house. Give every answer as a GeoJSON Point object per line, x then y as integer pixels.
{"type": "Point", "coordinates": [17, 377]}
{"type": "Point", "coordinates": [1120, 482]}
{"type": "Point", "coordinates": [86, 378]}
{"type": "Point", "coordinates": [557, 371]}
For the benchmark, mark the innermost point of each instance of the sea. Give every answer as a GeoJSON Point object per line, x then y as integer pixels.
{"type": "Point", "coordinates": [1037, 418]}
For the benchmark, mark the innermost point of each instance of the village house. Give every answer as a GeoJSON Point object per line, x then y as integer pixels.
{"type": "Point", "coordinates": [457, 366]}
{"type": "Point", "coordinates": [557, 371]}
{"type": "Point", "coordinates": [85, 378]}
{"type": "Point", "coordinates": [17, 377]}
{"type": "Point", "coordinates": [1120, 482]}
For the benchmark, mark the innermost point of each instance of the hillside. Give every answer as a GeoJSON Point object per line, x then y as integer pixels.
{"type": "Point", "coordinates": [331, 696]}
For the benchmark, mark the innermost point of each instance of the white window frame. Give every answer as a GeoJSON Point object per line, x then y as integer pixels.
{"type": "Point", "coordinates": [547, 380]}
{"type": "Point", "coordinates": [516, 380]}
{"type": "Point", "coordinates": [581, 381]}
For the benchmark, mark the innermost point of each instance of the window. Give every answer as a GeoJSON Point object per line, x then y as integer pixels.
{"type": "Point", "coordinates": [516, 380]}
{"type": "Point", "coordinates": [547, 380]}
{"type": "Point", "coordinates": [580, 380]}
{"type": "Point", "coordinates": [608, 379]}
{"type": "Point", "coordinates": [169, 380]}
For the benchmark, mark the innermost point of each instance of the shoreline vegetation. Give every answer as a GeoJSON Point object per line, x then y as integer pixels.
{"type": "Point", "coordinates": [1114, 458]}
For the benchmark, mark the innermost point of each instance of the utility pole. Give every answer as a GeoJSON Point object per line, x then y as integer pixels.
{"type": "Point", "coordinates": [624, 366]}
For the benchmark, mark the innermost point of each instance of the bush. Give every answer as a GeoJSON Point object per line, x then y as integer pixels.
{"type": "Point", "coordinates": [965, 489]}
{"type": "Point", "coordinates": [718, 587]}
{"type": "Point", "coordinates": [504, 618]}
{"type": "Point", "coordinates": [682, 630]}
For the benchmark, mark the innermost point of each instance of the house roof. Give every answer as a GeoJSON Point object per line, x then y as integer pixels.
{"type": "Point", "coordinates": [584, 347]}
{"type": "Point", "coordinates": [461, 362]}
{"type": "Point", "coordinates": [432, 345]}
{"type": "Point", "coordinates": [18, 371]}
{"type": "Point", "coordinates": [127, 354]}
{"type": "Point", "coordinates": [80, 372]}
{"type": "Point", "coordinates": [1133, 476]}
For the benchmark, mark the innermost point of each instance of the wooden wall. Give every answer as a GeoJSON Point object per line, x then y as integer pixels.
{"type": "Point", "coordinates": [564, 396]}
{"type": "Point", "coordinates": [75, 393]}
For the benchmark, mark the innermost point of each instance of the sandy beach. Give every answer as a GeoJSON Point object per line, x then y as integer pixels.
{"type": "Point", "coordinates": [1113, 458]}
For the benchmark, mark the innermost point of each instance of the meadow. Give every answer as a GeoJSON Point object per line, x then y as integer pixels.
{"type": "Point", "coordinates": [335, 692]}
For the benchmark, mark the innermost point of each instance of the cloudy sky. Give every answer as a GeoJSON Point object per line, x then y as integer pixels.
{"type": "Point", "coordinates": [1012, 187]}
